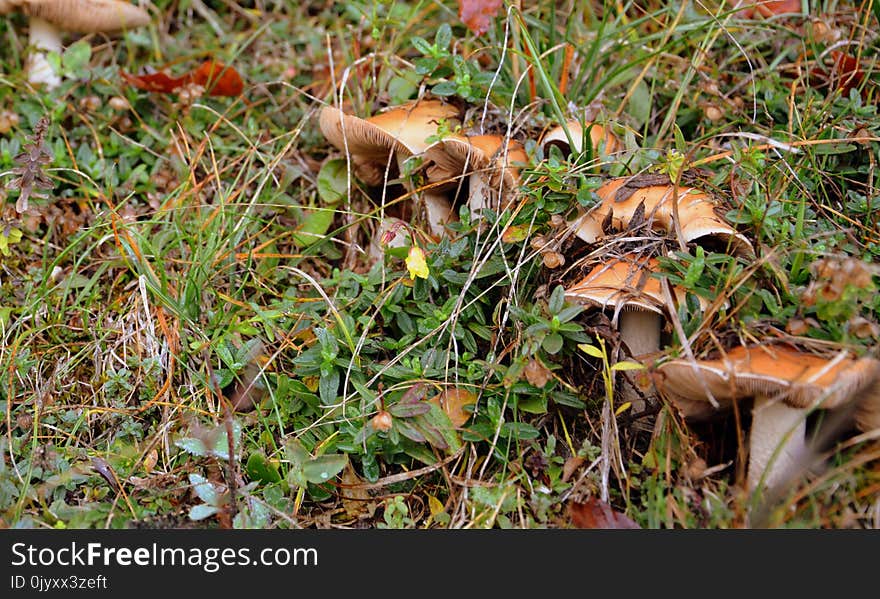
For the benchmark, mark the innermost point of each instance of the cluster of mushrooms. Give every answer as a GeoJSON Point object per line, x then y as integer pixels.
{"type": "Point", "coordinates": [49, 19]}
{"type": "Point", "coordinates": [783, 383]}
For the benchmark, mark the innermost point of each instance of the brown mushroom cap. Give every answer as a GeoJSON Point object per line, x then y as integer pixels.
{"type": "Point", "coordinates": [85, 16]}
{"type": "Point", "coordinates": [456, 155]}
{"type": "Point", "coordinates": [402, 130]}
{"type": "Point", "coordinates": [799, 379]}
{"type": "Point", "coordinates": [598, 134]}
{"type": "Point", "coordinates": [696, 209]}
{"type": "Point", "coordinates": [7, 6]}
{"type": "Point", "coordinates": [624, 281]}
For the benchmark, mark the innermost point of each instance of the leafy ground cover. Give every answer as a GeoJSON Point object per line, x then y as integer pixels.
{"type": "Point", "coordinates": [193, 331]}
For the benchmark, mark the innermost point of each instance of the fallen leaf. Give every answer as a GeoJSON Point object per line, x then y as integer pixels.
{"type": "Point", "coordinates": [595, 513]}
{"type": "Point", "coordinates": [478, 14]}
{"type": "Point", "coordinates": [770, 8]}
{"type": "Point", "coordinates": [570, 467]}
{"type": "Point", "coordinates": [453, 400]}
{"type": "Point", "coordinates": [218, 79]}
{"type": "Point", "coordinates": [356, 500]}
{"type": "Point", "coordinates": [845, 72]}
{"type": "Point", "coordinates": [214, 76]}
{"type": "Point", "coordinates": [537, 374]}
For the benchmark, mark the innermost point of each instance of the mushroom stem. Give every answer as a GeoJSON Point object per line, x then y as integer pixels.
{"type": "Point", "coordinates": [438, 211]}
{"type": "Point", "coordinates": [776, 441]}
{"type": "Point", "coordinates": [478, 193]}
{"type": "Point", "coordinates": [43, 37]}
{"type": "Point", "coordinates": [640, 331]}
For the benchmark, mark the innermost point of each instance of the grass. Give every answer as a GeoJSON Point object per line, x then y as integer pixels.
{"type": "Point", "coordinates": [194, 268]}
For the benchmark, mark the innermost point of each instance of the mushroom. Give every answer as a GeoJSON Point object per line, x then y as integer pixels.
{"type": "Point", "coordinates": [786, 385]}
{"type": "Point", "coordinates": [492, 181]}
{"type": "Point", "coordinates": [696, 209]}
{"type": "Point", "coordinates": [48, 19]}
{"type": "Point", "coordinates": [399, 132]}
{"type": "Point", "coordinates": [598, 135]}
{"type": "Point", "coordinates": [626, 284]}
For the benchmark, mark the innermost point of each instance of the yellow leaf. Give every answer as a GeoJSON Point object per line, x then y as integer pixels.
{"type": "Point", "coordinates": [628, 365]}
{"type": "Point", "coordinates": [415, 263]}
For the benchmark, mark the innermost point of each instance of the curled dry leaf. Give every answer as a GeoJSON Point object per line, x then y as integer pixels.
{"type": "Point", "coordinates": [356, 500]}
{"type": "Point", "coordinates": [478, 14]}
{"type": "Point", "coordinates": [536, 373]}
{"type": "Point", "coordinates": [217, 79]}
{"type": "Point", "coordinates": [595, 513]}
{"type": "Point", "coordinates": [150, 460]}
{"type": "Point", "coordinates": [570, 467]}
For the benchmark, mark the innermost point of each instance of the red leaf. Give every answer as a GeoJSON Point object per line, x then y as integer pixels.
{"type": "Point", "coordinates": [223, 80]}
{"type": "Point", "coordinates": [845, 72]}
{"type": "Point", "coordinates": [769, 8]}
{"type": "Point", "coordinates": [595, 513]}
{"type": "Point", "coordinates": [478, 14]}
{"type": "Point", "coordinates": [215, 77]}
{"type": "Point", "coordinates": [156, 82]}
{"type": "Point", "coordinates": [849, 74]}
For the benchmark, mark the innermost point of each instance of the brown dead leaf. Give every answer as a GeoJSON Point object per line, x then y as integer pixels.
{"type": "Point", "coordinates": [453, 400]}
{"type": "Point", "coordinates": [595, 513]}
{"type": "Point", "coordinates": [478, 14]}
{"type": "Point", "coordinates": [570, 467]}
{"type": "Point", "coordinates": [537, 374]}
{"type": "Point", "coordinates": [355, 495]}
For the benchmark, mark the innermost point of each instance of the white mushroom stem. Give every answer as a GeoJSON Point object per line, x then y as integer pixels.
{"type": "Point", "coordinates": [479, 194]}
{"type": "Point", "coordinates": [640, 331]}
{"type": "Point", "coordinates": [44, 37]}
{"type": "Point", "coordinates": [438, 211]}
{"type": "Point", "coordinates": [776, 442]}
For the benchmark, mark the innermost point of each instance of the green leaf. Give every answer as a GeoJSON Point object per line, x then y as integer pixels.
{"type": "Point", "coordinates": [204, 489]}
{"type": "Point", "coordinates": [443, 37]}
{"type": "Point", "coordinates": [323, 468]}
{"type": "Point", "coordinates": [640, 104]}
{"type": "Point", "coordinates": [333, 181]}
{"type": "Point", "coordinates": [76, 57]}
{"type": "Point", "coordinates": [328, 387]}
{"type": "Point", "coordinates": [519, 430]}
{"type": "Point", "coordinates": [557, 300]}
{"type": "Point", "coordinates": [200, 512]}
{"type": "Point", "coordinates": [296, 453]}
{"type": "Point", "coordinates": [552, 343]}
{"type": "Point", "coordinates": [409, 409]}
{"type": "Point", "coordinates": [261, 469]}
